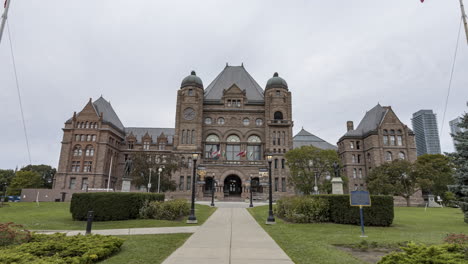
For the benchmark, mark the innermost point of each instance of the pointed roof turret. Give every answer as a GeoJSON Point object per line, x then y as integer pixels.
{"type": "Point", "coordinates": [104, 109]}
{"type": "Point", "coordinates": [305, 138]}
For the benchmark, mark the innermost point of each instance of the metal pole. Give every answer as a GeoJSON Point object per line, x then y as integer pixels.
{"type": "Point", "coordinates": [271, 218]}
{"type": "Point", "coordinates": [90, 222]}
{"type": "Point", "coordinates": [149, 180]}
{"type": "Point", "coordinates": [464, 19]}
{"type": "Point", "coordinates": [4, 19]}
{"type": "Point", "coordinates": [110, 171]}
{"type": "Point", "coordinates": [192, 219]}
{"type": "Point", "coordinates": [212, 191]}
{"type": "Point", "coordinates": [251, 204]}
{"type": "Point", "coordinates": [159, 180]}
{"type": "Point", "coordinates": [362, 221]}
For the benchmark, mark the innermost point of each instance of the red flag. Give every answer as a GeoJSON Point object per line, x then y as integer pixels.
{"type": "Point", "coordinates": [422, 1]}
{"type": "Point", "coordinates": [4, 5]}
{"type": "Point", "coordinates": [242, 153]}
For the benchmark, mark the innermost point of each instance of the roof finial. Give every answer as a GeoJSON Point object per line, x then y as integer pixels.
{"type": "Point", "coordinates": [227, 64]}
{"type": "Point", "coordinates": [193, 73]}
{"type": "Point", "coordinates": [242, 64]}
{"type": "Point", "coordinates": [275, 74]}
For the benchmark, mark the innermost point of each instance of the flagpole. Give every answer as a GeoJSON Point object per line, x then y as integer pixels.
{"type": "Point", "coordinates": [464, 19]}
{"type": "Point", "coordinates": [4, 18]}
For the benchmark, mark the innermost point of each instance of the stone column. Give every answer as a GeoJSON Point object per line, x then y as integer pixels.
{"type": "Point", "coordinates": [126, 183]}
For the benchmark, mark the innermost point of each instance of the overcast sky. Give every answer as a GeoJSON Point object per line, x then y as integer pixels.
{"type": "Point", "coordinates": [340, 58]}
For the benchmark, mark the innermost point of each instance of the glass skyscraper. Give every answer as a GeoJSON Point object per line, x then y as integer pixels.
{"type": "Point", "coordinates": [426, 132]}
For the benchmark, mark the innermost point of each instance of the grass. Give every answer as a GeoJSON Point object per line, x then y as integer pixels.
{"type": "Point", "coordinates": [314, 243]}
{"type": "Point", "coordinates": [147, 248]}
{"type": "Point", "coordinates": [57, 216]}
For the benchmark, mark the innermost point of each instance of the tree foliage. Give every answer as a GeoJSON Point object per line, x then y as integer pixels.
{"type": "Point", "coordinates": [142, 163]}
{"type": "Point", "coordinates": [435, 172]}
{"type": "Point", "coordinates": [24, 179]}
{"type": "Point", "coordinates": [5, 178]}
{"type": "Point", "coordinates": [394, 178]}
{"type": "Point", "coordinates": [45, 171]}
{"type": "Point", "coordinates": [308, 162]}
{"type": "Point", "coordinates": [460, 160]}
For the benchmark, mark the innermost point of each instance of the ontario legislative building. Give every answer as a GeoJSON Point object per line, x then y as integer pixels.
{"type": "Point", "coordinates": [233, 124]}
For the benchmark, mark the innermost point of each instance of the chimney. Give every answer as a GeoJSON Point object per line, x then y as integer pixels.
{"type": "Point", "coordinates": [350, 125]}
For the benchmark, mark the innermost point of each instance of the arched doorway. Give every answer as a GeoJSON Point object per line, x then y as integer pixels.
{"type": "Point", "coordinates": [232, 186]}
{"type": "Point", "coordinates": [255, 185]}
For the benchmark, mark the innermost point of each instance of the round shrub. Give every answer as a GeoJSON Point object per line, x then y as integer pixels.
{"type": "Point", "coordinates": [169, 210]}
{"type": "Point", "coordinates": [437, 254]}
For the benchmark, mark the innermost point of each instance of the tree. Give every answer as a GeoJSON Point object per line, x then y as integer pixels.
{"type": "Point", "coordinates": [143, 162]}
{"type": "Point", "coordinates": [394, 178]}
{"type": "Point", "coordinates": [308, 163]}
{"type": "Point", "coordinates": [24, 179]}
{"type": "Point", "coordinates": [45, 171]}
{"type": "Point", "coordinates": [435, 172]}
{"type": "Point", "coordinates": [6, 176]}
{"type": "Point", "coordinates": [460, 160]}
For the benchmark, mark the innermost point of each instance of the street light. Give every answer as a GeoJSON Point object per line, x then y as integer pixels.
{"type": "Point", "coordinates": [271, 218]}
{"type": "Point", "coordinates": [311, 164]}
{"type": "Point", "coordinates": [212, 189]}
{"type": "Point", "coordinates": [251, 202]}
{"type": "Point", "coordinates": [149, 180]}
{"type": "Point", "coordinates": [159, 177]}
{"type": "Point", "coordinates": [192, 219]}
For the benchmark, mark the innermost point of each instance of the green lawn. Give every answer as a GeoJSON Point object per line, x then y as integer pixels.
{"type": "Point", "coordinates": [313, 243]}
{"type": "Point", "coordinates": [56, 216]}
{"type": "Point", "coordinates": [147, 248]}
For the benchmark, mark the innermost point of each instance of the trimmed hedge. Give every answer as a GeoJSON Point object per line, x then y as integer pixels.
{"type": "Point", "coordinates": [436, 254]}
{"type": "Point", "coordinates": [170, 210]}
{"type": "Point", "coordinates": [110, 206]}
{"type": "Point", "coordinates": [340, 212]}
{"type": "Point", "coordinates": [60, 249]}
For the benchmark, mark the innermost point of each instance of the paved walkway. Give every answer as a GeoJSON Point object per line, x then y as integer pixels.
{"type": "Point", "coordinates": [129, 231]}
{"type": "Point", "coordinates": [229, 236]}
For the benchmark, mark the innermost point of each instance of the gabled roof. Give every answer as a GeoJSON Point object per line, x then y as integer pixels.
{"type": "Point", "coordinates": [234, 75]}
{"type": "Point", "coordinates": [370, 122]}
{"type": "Point", "coordinates": [154, 132]}
{"type": "Point", "coordinates": [108, 113]}
{"type": "Point", "coordinates": [305, 138]}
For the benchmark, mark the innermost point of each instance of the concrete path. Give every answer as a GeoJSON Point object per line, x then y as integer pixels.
{"type": "Point", "coordinates": [229, 236]}
{"type": "Point", "coordinates": [129, 231]}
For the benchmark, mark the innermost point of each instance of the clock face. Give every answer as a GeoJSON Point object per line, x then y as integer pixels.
{"type": "Point", "coordinates": [189, 114]}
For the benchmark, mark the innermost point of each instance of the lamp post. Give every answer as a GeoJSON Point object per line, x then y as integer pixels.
{"type": "Point", "coordinates": [149, 180]}
{"type": "Point", "coordinates": [271, 218]}
{"type": "Point", "coordinates": [192, 219]}
{"type": "Point", "coordinates": [159, 178]}
{"type": "Point", "coordinates": [251, 202]}
{"type": "Point", "coordinates": [212, 190]}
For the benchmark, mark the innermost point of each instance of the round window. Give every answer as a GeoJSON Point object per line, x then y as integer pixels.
{"type": "Point", "coordinates": [220, 121]}
{"type": "Point", "coordinates": [246, 121]}
{"type": "Point", "coordinates": [208, 120]}
{"type": "Point", "coordinates": [259, 122]}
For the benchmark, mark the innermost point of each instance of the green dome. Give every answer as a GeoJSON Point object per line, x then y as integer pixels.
{"type": "Point", "coordinates": [276, 82]}
{"type": "Point", "coordinates": [192, 80]}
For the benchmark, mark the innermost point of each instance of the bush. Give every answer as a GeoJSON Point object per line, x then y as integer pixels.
{"type": "Point", "coordinates": [59, 248]}
{"type": "Point", "coordinates": [170, 210]}
{"type": "Point", "coordinates": [110, 206]}
{"type": "Point", "coordinates": [437, 254]}
{"type": "Point", "coordinates": [13, 234]}
{"type": "Point", "coordinates": [338, 210]}
{"type": "Point", "coordinates": [456, 239]}
{"type": "Point", "coordinates": [303, 209]}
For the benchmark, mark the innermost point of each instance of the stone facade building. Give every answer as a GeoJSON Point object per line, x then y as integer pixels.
{"type": "Point", "coordinates": [380, 137]}
{"type": "Point", "coordinates": [233, 124]}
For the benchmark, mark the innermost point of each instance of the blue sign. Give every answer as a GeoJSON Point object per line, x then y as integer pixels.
{"type": "Point", "coordinates": [360, 198]}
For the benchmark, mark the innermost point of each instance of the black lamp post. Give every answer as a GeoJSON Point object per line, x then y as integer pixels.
{"type": "Point", "coordinates": [192, 219]}
{"type": "Point", "coordinates": [271, 218]}
{"type": "Point", "coordinates": [212, 190]}
{"type": "Point", "coordinates": [251, 203]}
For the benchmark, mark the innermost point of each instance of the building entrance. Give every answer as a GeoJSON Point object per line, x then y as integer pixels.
{"type": "Point", "coordinates": [232, 186]}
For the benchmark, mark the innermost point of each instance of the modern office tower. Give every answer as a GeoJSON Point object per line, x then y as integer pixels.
{"type": "Point", "coordinates": [426, 132]}
{"type": "Point", "coordinates": [455, 128]}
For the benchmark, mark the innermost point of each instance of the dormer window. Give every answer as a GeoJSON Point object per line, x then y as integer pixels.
{"type": "Point", "coordinates": [130, 145]}
{"type": "Point", "coordinates": [146, 145]}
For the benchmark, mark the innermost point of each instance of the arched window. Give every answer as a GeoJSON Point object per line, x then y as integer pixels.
{"type": "Point", "coordinates": [86, 124]}
{"type": "Point", "coordinates": [233, 148]}
{"type": "Point", "coordinates": [278, 115]}
{"type": "Point", "coordinates": [77, 137]}
{"type": "Point", "coordinates": [402, 155]}
{"type": "Point", "coordinates": [259, 122]}
{"type": "Point", "coordinates": [83, 137]}
{"type": "Point", "coordinates": [246, 121]}
{"type": "Point", "coordinates": [208, 120]}
{"type": "Point", "coordinates": [388, 156]}
{"type": "Point", "coordinates": [93, 138]}
{"type": "Point", "coordinates": [392, 138]}
{"type": "Point", "coordinates": [360, 173]}
{"type": "Point", "coordinates": [88, 138]}
{"type": "Point", "coordinates": [353, 158]}
{"type": "Point", "coordinates": [77, 151]}
{"type": "Point", "coordinates": [187, 140]}
{"type": "Point", "coordinates": [182, 162]}
{"type": "Point", "coordinates": [89, 152]}
{"type": "Point", "coordinates": [193, 137]}
{"type": "Point", "coordinates": [254, 148]}
{"type": "Point", "coordinates": [354, 173]}
{"type": "Point", "coordinates": [399, 138]}
{"type": "Point", "coordinates": [220, 121]}
{"type": "Point", "coordinates": [368, 157]}
{"type": "Point", "coordinates": [212, 149]}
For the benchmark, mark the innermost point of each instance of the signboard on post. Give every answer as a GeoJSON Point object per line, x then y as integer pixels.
{"type": "Point", "coordinates": [263, 172]}
{"type": "Point", "coordinates": [361, 199]}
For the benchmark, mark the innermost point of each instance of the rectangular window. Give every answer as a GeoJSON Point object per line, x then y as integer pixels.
{"type": "Point", "coordinates": [283, 184]}
{"type": "Point", "coordinates": [351, 145]}
{"type": "Point", "coordinates": [72, 183]}
{"type": "Point", "coordinates": [181, 183]}
{"type": "Point", "coordinates": [392, 140]}
{"type": "Point", "coordinates": [276, 163]}
{"type": "Point", "coordinates": [400, 140]}
{"type": "Point", "coordinates": [232, 152]}
{"type": "Point", "coordinates": [77, 137]}
{"type": "Point", "coordinates": [283, 161]}
{"type": "Point", "coordinates": [190, 92]}
{"type": "Point", "coordinates": [229, 103]}
{"type": "Point", "coordinates": [88, 138]}
{"type": "Point", "coordinates": [385, 140]}
{"type": "Point", "coordinates": [354, 158]}
{"type": "Point", "coordinates": [84, 184]}
{"type": "Point", "coordinates": [162, 146]}
{"type": "Point", "coordinates": [358, 145]}
{"type": "Point", "coordinates": [212, 151]}
{"type": "Point", "coordinates": [189, 183]}
{"type": "Point", "coordinates": [183, 136]}
{"type": "Point", "coordinates": [274, 138]}
{"type": "Point", "coordinates": [276, 184]}
{"type": "Point", "coordinates": [146, 145]}
{"type": "Point", "coordinates": [358, 158]}
{"type": "Point", "coordinates": [93, 138]}
{"type": "Point", "coordinates": [193, 137]}
{"type": "Point", "coordinates": [253, 152]}
{"type": "Point", "coordinates": [87, 166]}
{"type": "Point", "coordinates": [238, 103]}
{"type": "Point", "coordinates": [75, 166]}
